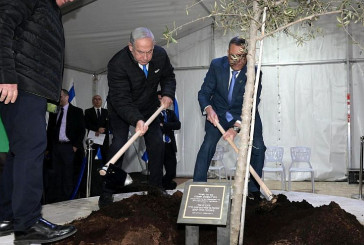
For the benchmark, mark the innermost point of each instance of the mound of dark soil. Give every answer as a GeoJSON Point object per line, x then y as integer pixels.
{"type": "Point", "coordinates": [151, 219]}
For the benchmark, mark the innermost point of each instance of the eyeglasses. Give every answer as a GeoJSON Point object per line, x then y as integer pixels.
{"type": "Point", "coordinates": [237, 56]}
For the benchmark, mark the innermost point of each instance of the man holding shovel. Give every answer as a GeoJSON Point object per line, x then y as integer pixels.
{"type": "Point", "coordinates": [134, 74]}
{"type": "Point", "coordinates": [221, 100]}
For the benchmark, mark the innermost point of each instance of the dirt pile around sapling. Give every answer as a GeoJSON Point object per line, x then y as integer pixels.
{"type": "Point", "coordinates": [152, 220]}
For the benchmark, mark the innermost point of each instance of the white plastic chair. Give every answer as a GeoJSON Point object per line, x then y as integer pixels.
{"type": "Point", "coordinates": [218, 156]}
{"type": "Point", "coordinates": [273, 162]}
{"type": "Point", "coordinates": [300, 155]}
{"type": "Point", "coordinates": [232, 173]}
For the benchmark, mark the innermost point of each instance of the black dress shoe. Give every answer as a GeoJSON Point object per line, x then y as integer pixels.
{"type": "Point", "coordinates": [255, 196]}
{"type": "Point", "coordinates": [6, 227]}
{"type": "Point", "coordinates": [170, 186]}
{"type": "Point", "coordinates": [43, 231]}
{"type": "Point", "coordinates": [105, 199]}
{"type": "Point", "coordinates": [156, 191]}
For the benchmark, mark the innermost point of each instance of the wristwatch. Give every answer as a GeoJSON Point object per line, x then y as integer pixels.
{"type": "Point", "coordinates": [236, 129]}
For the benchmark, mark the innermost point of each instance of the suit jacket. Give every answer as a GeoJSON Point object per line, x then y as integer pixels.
{"type": "Point", "coordinates": [75, 127]}
{"type": "Point", "coordinates": [92, 123]}
{"type": "Point", "coordinates": [168, 127]}
{"type": "Point", "coordinates": [133, 96]}
{"type": "Point", "coordinates": [215, 88]}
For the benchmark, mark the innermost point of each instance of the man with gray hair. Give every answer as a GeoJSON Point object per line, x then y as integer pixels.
{"type": "Point", "coordinates": [134, 74]}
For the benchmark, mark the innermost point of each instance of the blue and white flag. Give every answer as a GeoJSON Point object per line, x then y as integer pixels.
{"type": "Point", "coordinates": [98, 154]}
{"type": "Point", "coordinates": [175, 107]}
{"type": "Point", "coordinates": [145, 157]}
{"type": "Point", "coordinates": [72, 95]}
{"type": "Point", "coordinates": [176, 111]}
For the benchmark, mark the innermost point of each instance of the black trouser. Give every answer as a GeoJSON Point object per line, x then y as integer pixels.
{"type": "Point", "coordinates": [21, 186]}
{"type": "Point", "coordinates": [61, 175]}
{"type": "Point", "coordinates": [153, 141]}
{"type": "Point", "coordinates": [170, 164]}
{"type": "Point", "coordinates": [2, 162]}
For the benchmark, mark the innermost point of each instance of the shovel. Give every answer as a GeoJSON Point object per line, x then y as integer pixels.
{"type": "Point", "coordinates": [266, 190]}
{"type": "Point", "coordinates": [113, 175]}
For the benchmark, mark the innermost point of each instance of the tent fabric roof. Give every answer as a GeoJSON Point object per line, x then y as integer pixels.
{"type": "Point", "coordinates": [96, 30]}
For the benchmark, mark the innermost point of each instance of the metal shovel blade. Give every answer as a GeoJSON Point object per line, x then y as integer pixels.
{"type": "Point", "coordinates": [115, 177]}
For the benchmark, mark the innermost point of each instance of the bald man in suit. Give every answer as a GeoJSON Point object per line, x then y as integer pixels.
{"type": "Point", "coordinates": [97, 120]}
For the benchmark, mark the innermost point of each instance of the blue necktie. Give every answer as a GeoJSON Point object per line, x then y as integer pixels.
{"type": "Point", "coordinates": [145, 70]}
{"type": "Point", "coordinates": [228, 115]}
{"type": "Point", "coordinates": [165, 137]}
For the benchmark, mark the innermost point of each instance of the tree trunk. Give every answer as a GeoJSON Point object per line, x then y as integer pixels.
{"type": "Point", "coordinates": [244, 148]}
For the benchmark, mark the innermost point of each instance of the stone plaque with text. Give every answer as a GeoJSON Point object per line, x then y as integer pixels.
{"type": "Point", "coordinates": [205, 203]}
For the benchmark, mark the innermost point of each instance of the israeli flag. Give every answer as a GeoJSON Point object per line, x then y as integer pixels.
{"type": "Point", "coordinates": [175, 107]}
{"type": "Point", "coordinates": [145, 157]}
{"type": "Point", "coordinates": [72, 95]}
{"type": "Point", "coordinates": [176, 133]}
{"type": "Point", "coordinates": [98, 154]}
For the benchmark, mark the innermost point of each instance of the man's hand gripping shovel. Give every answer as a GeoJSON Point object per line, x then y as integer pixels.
{"type": "Point", "coordinates": [266, 190]}
{"type": "Point", "coordinates": [115, 176]}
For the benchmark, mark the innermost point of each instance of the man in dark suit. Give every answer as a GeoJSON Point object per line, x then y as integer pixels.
{"type": "Point", "coordinates": [66, 130]}
{"type": "Point", "coordinates": [97, 120]}
{"type": "Point", "coordinates": [221, 100]}
{"type": "Point", "coordinates": [168, 123]}
{"type": "Point", "coordinates": [134, 74]}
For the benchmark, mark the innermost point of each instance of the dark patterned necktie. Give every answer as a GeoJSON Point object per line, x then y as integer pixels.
{"type": "Point", "coordinates": [59, 123]}
{"type": "Point", "coordinates": [98, 114]}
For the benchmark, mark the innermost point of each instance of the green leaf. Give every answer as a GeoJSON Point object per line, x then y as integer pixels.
{"type": "Point", "coordinates": [173, 40]}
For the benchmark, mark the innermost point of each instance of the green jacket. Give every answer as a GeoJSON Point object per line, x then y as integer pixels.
{"type": "Point", "coordinates": [4, 143]}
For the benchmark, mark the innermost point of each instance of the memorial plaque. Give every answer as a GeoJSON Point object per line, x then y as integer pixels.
{"type": "Point", "coordinates": [205, 203]}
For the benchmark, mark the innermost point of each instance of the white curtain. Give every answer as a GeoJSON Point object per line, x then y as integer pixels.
{"type": "Point", "coordinates": [303, 101]}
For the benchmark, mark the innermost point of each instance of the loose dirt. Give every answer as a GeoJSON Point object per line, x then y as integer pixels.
{"type": "Point", "coordinates": [152, 220]}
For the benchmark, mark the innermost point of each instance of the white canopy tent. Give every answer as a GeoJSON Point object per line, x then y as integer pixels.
{"type": "Point", "coordinates": [304, 96]}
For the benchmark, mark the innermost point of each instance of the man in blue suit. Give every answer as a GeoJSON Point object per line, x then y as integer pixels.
{"type": "Point", "coordinates": [221, 100]}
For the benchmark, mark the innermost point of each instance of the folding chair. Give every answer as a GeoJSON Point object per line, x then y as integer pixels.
{"type": "Point", "coordinates": [218, 157]}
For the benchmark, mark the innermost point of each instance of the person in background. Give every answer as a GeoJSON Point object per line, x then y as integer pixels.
{"type": "Point", "coordinates": [221, 100]}
{"type": "Point", "coordinates": [134, 74]}
{"type": "Point", "coordinates": [66, 130]}
{"type": "Point", "coordinates": [168, 123]}
{"type": "Point", "coordinates": [97, 120]}
{"type": "Point", "coordinates": [31, 67]}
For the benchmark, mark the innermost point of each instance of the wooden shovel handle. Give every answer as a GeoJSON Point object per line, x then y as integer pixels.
{"type": "Point", "coordinates": [130, 141]}
{"type": "Point", "coordinates": [251, 169]}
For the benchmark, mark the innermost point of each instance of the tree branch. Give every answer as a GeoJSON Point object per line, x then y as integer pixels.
{"type": "Point", "coordinates": [277, 3]}
{"type": "Point", "coordinates": [353, 39]}
{"type": "Point", "coordinates": [169, 33]}
{"type": "Point", "coordinates": [297, 21]}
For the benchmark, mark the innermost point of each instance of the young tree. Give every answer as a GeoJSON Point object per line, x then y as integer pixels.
{"type": "Point", "coordinates": [245, 16]}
